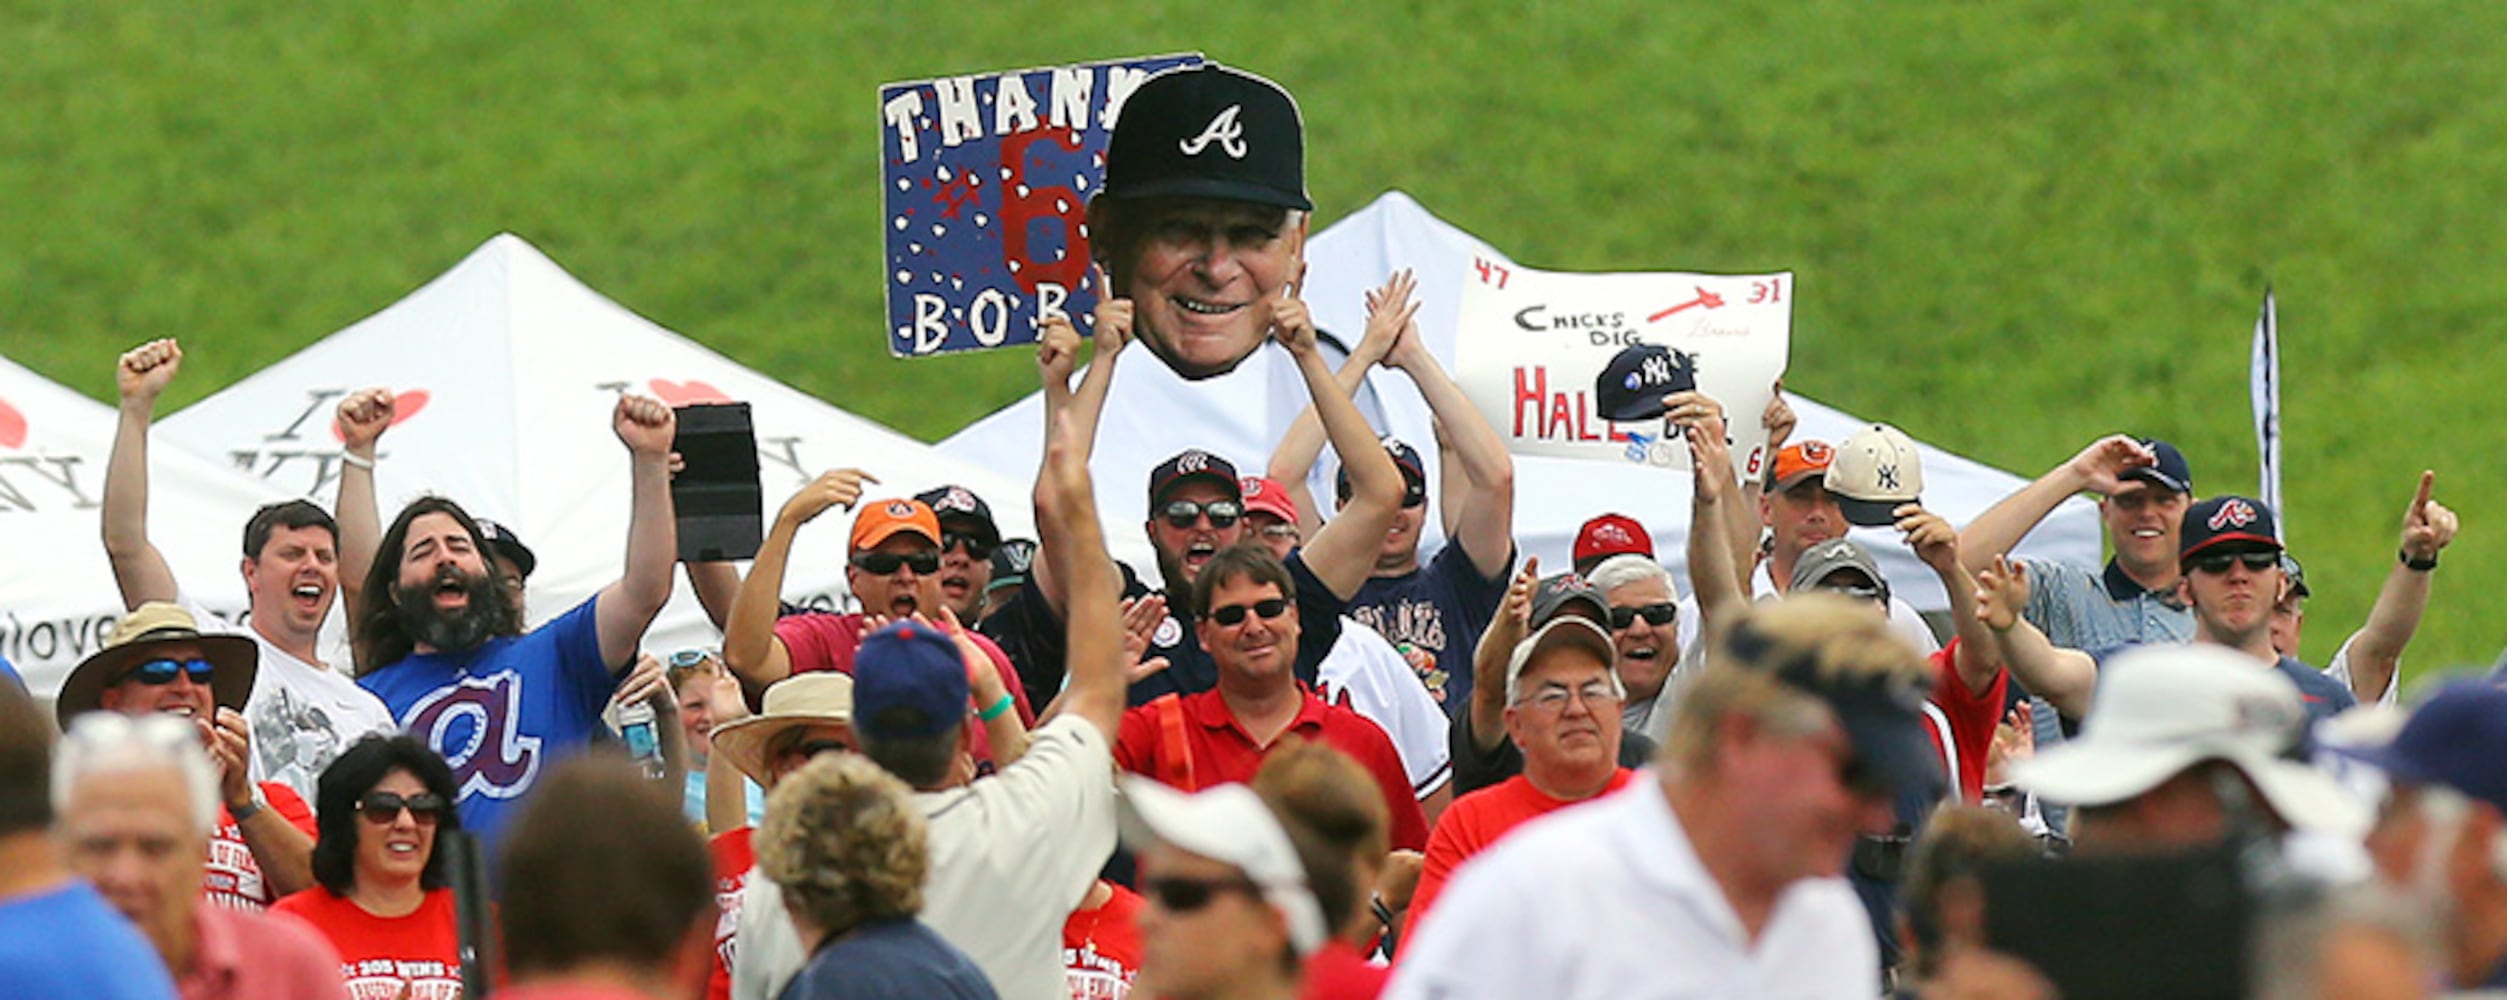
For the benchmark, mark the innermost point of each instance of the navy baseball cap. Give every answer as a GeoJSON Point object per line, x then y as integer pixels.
{"type": "Point", "coordinates": [2228, 523]}
{"type": "Point", "coordinates": [1208, 131]}
{"type": "Point", "coordinates": [1633, 384]}
{"type": "Point", "coordinates": [908, 683]}
{"type": "Point", "coordinates": [1011, 562]}
{"type": "Point", "coordinates": [1192, 464]}
{"type": "Point", "coordinates": [2170, 471]}
{"type": "Point", "coordinates": [1414, 474]}
{"type": "Point", "coordinates": [2455, 739]}
{"type": "Point", "coordinates": [502, 539]}
{"type": "Point", "coordinates": [1882, 715]}
{"type": "Point", "coordinates": [959, 506]}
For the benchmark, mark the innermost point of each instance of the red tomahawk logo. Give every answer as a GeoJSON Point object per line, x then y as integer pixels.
{"type": "Point", "coordinates": [1704, 298]}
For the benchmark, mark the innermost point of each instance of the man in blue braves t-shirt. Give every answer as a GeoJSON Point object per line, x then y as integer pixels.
{"type": "Point", "coordinates": [504, 707]}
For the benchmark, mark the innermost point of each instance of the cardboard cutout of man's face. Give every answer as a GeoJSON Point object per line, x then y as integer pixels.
{"type": "Point", "coordinates": [1202, 275]}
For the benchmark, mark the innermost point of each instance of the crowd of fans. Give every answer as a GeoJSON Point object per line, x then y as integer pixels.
{"type": "Point", "coordinates": [1293, 758]}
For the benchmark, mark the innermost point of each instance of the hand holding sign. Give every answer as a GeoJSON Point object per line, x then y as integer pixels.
{"type": "Point", "coordinates": [1291, 324]}
{"type": "Point", "coordinates": [1057, 350]}
{"type": "Point", "coordinates": [1112, 320]}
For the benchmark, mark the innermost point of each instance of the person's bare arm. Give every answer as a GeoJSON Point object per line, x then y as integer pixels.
{"type": "Point", "coordinates": [1742, 515]}
{"type": "Point", "coordinates": [716, 585]}
{"type": "Point", "coordinates": [138, 568]}
{"type": "Point", "coordinates": [2428, 527]}
{"type": "Point", "coordinates": [1488, 661]}
{"type": "Point", "coordinates": [1977, 658]}
{"type": "Point", "coordinates": [647, 682]}
{"type": "Point", "coordinates": [1066, 519]}
{"type": "Point", "coordinates": [283, 851]}
{"type": "Point", "coordinates": [1999, 529]}
{"type": "Point", "coordinates": [1486, 524]}
{"type": "Point", "coordinates": [363, 417]}
{"type": "Point", "coordinates": [726, 789]}
{"type": "Point", "coordinates": [1342, 553]}
{"type": "Point", "coordinates": [750, 649]}
{"type": "Point", "coordinates": [1714, 576]}
{"type": "Point", "coordinates": [627, 606]}
{"type": "Point", "coordinates": [2065, 678]}
{"type": "Point", "coordinates": [1057, 351]}
{"type": "Point", "coordinates": [1388, 309]}
{"type": "Point", "coordinates": [1004, 732]}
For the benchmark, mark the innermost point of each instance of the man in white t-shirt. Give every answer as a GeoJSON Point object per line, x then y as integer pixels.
{"type": "Point", "coordinates": [1718, 873]}
{"type": "Point", "coordinates": [302, 713]}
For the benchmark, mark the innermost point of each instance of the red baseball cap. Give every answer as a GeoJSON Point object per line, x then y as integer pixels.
{"type": "Point", "coordinates": [1265, 494]}
{"type": "Point", "coordinates": [1802, 458]}
{"type": "Point", "coordinates": [1611, 535]}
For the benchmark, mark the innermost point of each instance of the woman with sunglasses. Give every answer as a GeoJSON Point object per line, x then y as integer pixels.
{"type": "Point", "coordinates": [1244, 888]}
{"type": "Point", "coordinates": [384, 899]}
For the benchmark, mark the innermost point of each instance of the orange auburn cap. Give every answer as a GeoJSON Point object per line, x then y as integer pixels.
{"type": "Point", "coordinates": [1802, 458]}
{"type": "Point", "coordinates": [881, 520]}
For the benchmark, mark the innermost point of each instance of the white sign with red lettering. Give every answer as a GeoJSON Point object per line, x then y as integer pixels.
{"type": "Point", "coordinates": [1532, 343]}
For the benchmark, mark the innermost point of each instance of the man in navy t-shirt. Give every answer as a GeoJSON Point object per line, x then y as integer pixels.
{"type": "Point", "coordinates": [504, 707]}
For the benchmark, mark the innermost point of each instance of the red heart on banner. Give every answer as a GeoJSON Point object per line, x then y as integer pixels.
{"type": "Point", "coordinates": [405, 404]}
{"type": "Point", "coordinates": [12, 425]}
{"type": "Point", "coordinates": [684, 393]}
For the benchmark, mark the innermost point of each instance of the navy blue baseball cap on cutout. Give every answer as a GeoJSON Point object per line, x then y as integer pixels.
{"type": "Point", "coordinates": [1208, 131]}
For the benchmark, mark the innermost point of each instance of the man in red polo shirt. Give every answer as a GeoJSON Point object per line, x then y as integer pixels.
{"type": "Point", "coordinates": [893, 568]}
{"type": "Point", "coordinates": [1562, 708]}
{"type": "Point", "coordinates": [1245, 608]}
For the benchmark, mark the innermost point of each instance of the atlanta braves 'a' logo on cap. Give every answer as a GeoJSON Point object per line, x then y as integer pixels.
{"type": "Point", "coordinates": [2235, 513]}
{"type": "Point", "coordinates": [1224, 130]}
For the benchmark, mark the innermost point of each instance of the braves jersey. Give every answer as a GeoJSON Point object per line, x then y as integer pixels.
{"type": "Point", "coordinates": [504, 713]}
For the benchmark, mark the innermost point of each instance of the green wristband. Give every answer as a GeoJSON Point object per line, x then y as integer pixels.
{"type": "Point", "coordinates": [995, 711]}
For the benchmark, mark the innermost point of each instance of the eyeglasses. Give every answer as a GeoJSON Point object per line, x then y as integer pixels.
{"type": "Point", "coordinates": [158, 673]}
{"type": "Point", "coordinates": [1182, 514]}
{"type": "Point", "coordinates": [1654, 614]}
{"type": "Point", "coordinates": [878, 563]}
{"type": "Point", "coordinates": [2256, 560]}
{"type": "Point", "coordinates": [1184, 895]}
{"type": "Point", "coordinates": [1234, 614]}
{"type": "Point", "coordinates": [976, 548]}
{"type": "Point", "coordinates": [383, 807]}
{"type": "Point", "coordinates": [1553, 697]}
{"type": "Point", "coordinates": [1855, 591]}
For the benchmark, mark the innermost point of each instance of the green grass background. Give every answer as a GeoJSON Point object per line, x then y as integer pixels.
{"type": "Point", "coordinates": [2018, 225]}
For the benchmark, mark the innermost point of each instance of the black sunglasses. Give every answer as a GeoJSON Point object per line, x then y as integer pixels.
{"type": "Point", "coordinates": [976, 548]}
{"type": "Point", "coordinates": [1183, 513]}
{"type": "Point", "coordinates": [158, 673]}
{"type": "Point", "coordinates": [1654, 614]}
{"type": "Point", "coordinates": [1234, 614]}
{"type": "Point", "coordinates": [384, 807]}
{"type": "Point", "coordinates": [2256, 560]}
{"type": "Point", "coordinates": [1184, 895]}
{"type": "Point", "coordinates": [878, 563]}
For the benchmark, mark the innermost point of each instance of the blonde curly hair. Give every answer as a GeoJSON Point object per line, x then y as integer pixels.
{"type": "Point", "coordinates": [844, 841]}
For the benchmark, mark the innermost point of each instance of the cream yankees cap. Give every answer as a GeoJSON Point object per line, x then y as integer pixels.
{"type": "Point", "coordinates": [1874, 472]}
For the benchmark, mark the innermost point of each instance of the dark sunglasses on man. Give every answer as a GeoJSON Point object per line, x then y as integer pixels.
{"type": "Point", "coordinates": [1234, 614]}
{"type": "Point", "coordinates": [158, 673]}
{"type": "Point", "coordinates": [976, 548]}
{"type": "Point", "coordinates": [1177, 894]}
{"type": "Point", "coordinates": [2256, 560]}
{"type": "Point", "coordinates": [1657, 615]}
{"type": "Point", "coordinates": [1182, 514]}
{"type": "Point", "coordinates": [383, 807]}
{"type": "Point", "coordinates": [877, 563]}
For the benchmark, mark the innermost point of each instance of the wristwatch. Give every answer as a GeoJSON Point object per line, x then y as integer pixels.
{"type": "Point", "coordinates": [2415, 565]}
{"type": "Point", "coordinates": [250, 808]}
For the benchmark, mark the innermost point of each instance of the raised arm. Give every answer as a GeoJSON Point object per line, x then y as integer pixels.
{"type": "Point", "coordinates": [1342, 552]}
{"type": "Point", "coordinates": [138, 568]}
{"type": "Point", "coordinates": [1978, 657]}
{"type": "Point", "coordinates": [1485, 526]}
{"type": "Point", "coordinates": [1388, 310]}
{"type": "Point", "coordinates": [1714, 572]}
{"type": "Point", "coordinates": [2428, 527]}
{"type": "Point", "coordinates": [1057, 352]}
{"type": "Point", "coordinates": [1999, 529]}
{"type": "Point", "coordinates": [363, 417]}
{"type": "Point", "coordinates": [626, 607]}
{"type": "Point", "coordinates": [750, 650]}
{"type": "Point", "coordinates": [2065, 678]}
{"type": "Point", "coordinates": [716, 585]}
{"type": "Point", "coordinates": [1066, 520]}
{"type": "Point", "coordinates": [1497, 646]}
{"type": "Point", "coordinates": [1738, 509]}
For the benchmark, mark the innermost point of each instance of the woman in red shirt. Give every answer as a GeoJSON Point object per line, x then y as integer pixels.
{"type": "Point", "coordinates": [383, 898]}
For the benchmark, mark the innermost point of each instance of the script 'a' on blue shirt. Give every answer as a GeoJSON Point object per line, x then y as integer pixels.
{"type": "Point", "coordinates": [504, 713]}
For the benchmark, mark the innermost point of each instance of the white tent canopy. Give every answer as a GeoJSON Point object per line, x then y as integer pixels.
{"type": "Point", "coordinates": [508, 368]}
{"type": "Point", "coordinates": [57, 598]}
{"type": "Point", "coordinates": [1151, 414]}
